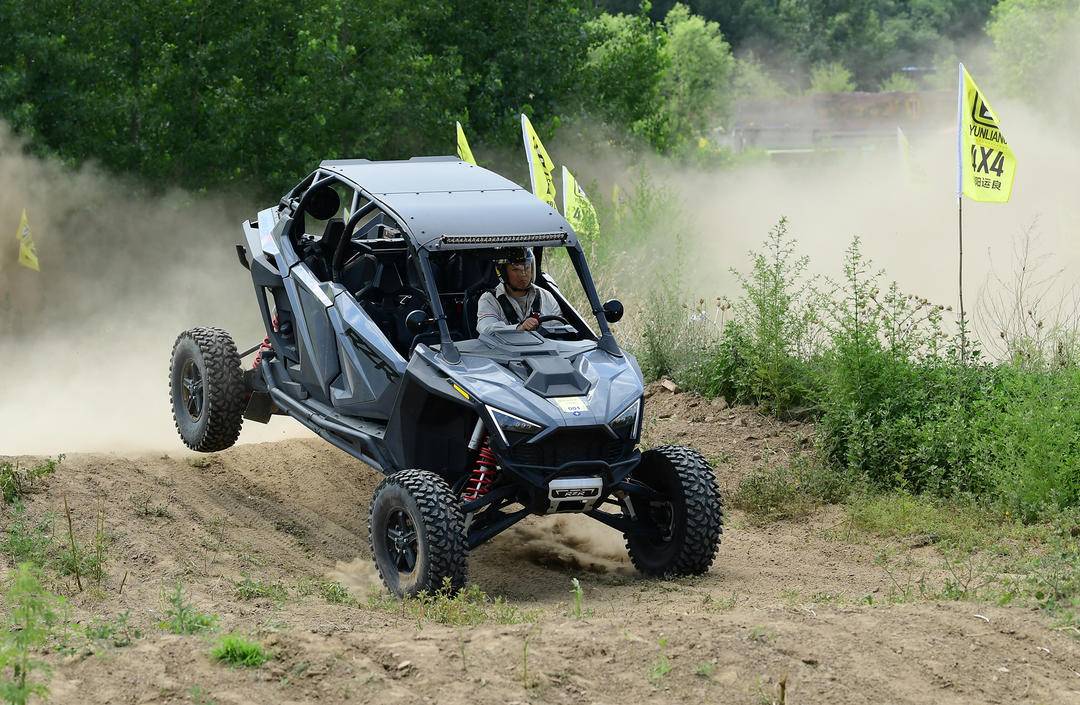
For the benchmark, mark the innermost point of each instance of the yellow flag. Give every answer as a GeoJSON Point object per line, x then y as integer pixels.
{"type": "Point", "coordinates": [463, 151]}
{"type": "Point", "coordinates": [540, 164]}
{"type": "Point", "coordinates": [577, 208]}
{"type": "Point", "coordinates": [986, 164]}
{"type": "Point", "coordinates": [27, 251]}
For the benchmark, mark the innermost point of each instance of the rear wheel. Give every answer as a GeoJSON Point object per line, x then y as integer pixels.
{"type": "Point", "coordinates": [417, 534]}
{"type": "Point", "coordinates": [678, 531]}
{"type": "Point", "coordinates": [207, 389]}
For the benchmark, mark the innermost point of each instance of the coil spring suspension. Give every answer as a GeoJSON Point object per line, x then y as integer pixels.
{"type": "Point", "coordinates": [265, 345]}
{"type": "Point", "coordinates": [483, 473]}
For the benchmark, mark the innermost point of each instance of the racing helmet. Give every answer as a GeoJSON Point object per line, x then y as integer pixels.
{"type": "Point", "coordinates": [519, 256]}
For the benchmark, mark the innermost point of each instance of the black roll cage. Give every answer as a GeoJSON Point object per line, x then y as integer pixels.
{"type": "Point", "coordinates": [447, 349]}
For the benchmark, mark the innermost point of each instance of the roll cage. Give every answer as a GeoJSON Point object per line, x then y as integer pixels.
{"type": "Point", "coordinates": [392, 264]}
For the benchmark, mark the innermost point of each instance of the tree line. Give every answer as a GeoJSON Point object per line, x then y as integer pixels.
{"type": "Point", "coordinates": [252, 93]}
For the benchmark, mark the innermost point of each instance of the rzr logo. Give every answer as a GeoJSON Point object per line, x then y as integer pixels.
{"type": "Point", "coordinates": [569, 493]}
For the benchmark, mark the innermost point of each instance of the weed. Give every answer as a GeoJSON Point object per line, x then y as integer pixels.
{"type": "Point", "coordinates": [199, 696]}
{"type": "Point", "coordinates": [238, 651]}
{"type": "Point", "coordinates": [333, 592]}
{"type": "Point", "coordinates": [525, 660]}
{"type": "Point", "coordinates": [790, 491]}
{"type": "Point", "coordinates": [248, 589]}
{"type": "Point", "coordinates": [761, 634]}
{"type": "Point", "coordinates": [577, 611]}
{"type": "Point", "coordinates": [719, 604]}
{"type": "Point", "coordinates": [117, 631]}
{"type": "Point", "coordinates": [468, 607]}
{"type": "Point", "coordinates": [659, 668]}
{"type": "Point", "coordinates": [181, 617]}
{"type": "Point", "coordinates": [27, 541]}
{"type": "Point", "coordinates": [31, 613]}
{"type": "Point", "coordinates": [80, 561]}
{"type": "Point", "coordinates": [143, 505]}
{"type": "Point", "coordinates": [705, 669]}
{"type": "Point", "coordinates": [17, 482]}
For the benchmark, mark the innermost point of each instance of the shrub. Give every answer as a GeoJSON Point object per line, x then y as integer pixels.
{"type": "Point", "coordinates": [17, 482]}
{"type": "Point", "coordinates": [238, 651]}
{"type": "Point", "coordinates": [790, 491]}
{"type": "Point", "coordinates": [31, 612]}
{"type": "Point", "coordinates": [181, 617]}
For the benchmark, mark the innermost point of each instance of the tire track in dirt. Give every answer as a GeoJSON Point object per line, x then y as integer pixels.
{"type": "Point", "coordinates": [780, 602]}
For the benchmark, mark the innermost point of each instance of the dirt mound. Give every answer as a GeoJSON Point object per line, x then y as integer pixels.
{"type": "Point", "coordinates": [782, 602]}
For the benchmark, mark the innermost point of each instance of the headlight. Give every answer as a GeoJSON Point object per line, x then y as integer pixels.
{"type": "Point", "coordinates": [506, 422]}
{"type": "Point", "coordinates": [627, 420]}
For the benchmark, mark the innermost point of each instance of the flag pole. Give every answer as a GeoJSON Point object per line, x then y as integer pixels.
{"type": "Point", "coordinates": [960, 204]}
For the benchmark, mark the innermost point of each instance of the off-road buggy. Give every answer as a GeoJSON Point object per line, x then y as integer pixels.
{"type": "Point", "coordinates": [367, 275]}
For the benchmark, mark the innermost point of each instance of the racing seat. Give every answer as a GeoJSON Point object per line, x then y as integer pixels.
{"type": "Point", "coordinates": [486, 281]}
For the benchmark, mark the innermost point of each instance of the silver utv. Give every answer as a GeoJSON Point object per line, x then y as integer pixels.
{"type": "Point", "coordinates": [367, 276]}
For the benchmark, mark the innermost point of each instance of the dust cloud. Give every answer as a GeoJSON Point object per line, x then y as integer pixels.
{"type": "Point", "coordinates": [85, 344]}
{"type": "Point", "coordinates": [905, 216]}
{"type": "Point", "coordinates": [569, 543]}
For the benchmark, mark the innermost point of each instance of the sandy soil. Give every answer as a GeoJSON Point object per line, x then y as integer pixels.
{"type": "Point", "coordinates": [788, 613]}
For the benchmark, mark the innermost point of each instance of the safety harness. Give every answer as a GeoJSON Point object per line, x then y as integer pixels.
{"type": "Point", "coordinates": [510, 311]}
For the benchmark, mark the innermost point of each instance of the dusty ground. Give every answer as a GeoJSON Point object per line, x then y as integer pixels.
{"type": "Point", "coordinates": [788, 603]}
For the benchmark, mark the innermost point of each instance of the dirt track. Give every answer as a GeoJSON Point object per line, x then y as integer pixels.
{"type": "Point", "coordinates": [782, 603]}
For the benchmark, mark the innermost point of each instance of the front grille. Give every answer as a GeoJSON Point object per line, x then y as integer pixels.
{"type": "Point", "coordinates": [570, 446]}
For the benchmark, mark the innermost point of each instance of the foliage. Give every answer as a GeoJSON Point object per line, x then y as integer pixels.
{"type": "Point", "coordinates": [31, 612]}
{"type": "Point", "coordinates": [248, 589]}
{"type": "Point", "coordinates": [333, 592]}
{"type": "Point", "coordinates": [1035, 48]}
{"type": "Point", "coordinates": [16, 482]}
{"type": "Point", "coordinates": [832, 77]}
{"type": "Point", "coordinates": [898, 82]}
{"type": "Point", "coordinates": [898, 403]}
{"type": "Point", "coordinates": [181, 617]}
{"type": "Point", "coordinates": [790, 491]}
{"type": "Point", "coordinates": [623, 73]}
{"type": "Point", "coordinates": [467, 607]}
{"type": "Point", "coordinates": [24, 540]}
{"type": "Point", "coordinates": [117, 631]}
{"type": "Point", "coordinates": [764, 350]}
{"type": "Point", "coordinates": [238, 651]}
{"type": "Point", "coordinates": [700, 68]}
{"type": "Point", "coordinates": [753, 80]}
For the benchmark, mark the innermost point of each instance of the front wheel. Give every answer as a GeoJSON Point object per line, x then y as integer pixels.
{"type": "Point", "coordinates": [677, 530]}
{"type": "Point", "coordinates": [207, 389]}
{"type": "Point", "coordinates": [417, 534]}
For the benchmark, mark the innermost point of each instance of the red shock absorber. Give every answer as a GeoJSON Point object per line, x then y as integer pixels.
{"type": "Point", "coordinates": [265, 344]}
{"type": "Point", "coordinates": [483, 473]}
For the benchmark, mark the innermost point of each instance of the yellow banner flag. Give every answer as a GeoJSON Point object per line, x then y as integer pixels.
{"type": "Point", "coordinates": [463, 151]}
{"type": "Point", "coordinates": [540, 164]}
{"type": "Point", "coordinates": [577, 208]}
{"type": "Point", "coordinates": [986, 165]}
{"type": "Point", "coordinates": [27, 251]}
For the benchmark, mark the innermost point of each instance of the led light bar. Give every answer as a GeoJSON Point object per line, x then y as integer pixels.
{"type": "Point", "coordinates": [502, 239]}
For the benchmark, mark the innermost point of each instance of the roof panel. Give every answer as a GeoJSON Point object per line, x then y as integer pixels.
{"type": "Point", "coordinates": [418, 175]}
{"type": "Point", "coordinates": [436, 196]}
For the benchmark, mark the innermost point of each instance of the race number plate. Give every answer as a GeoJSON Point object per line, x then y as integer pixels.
{"type": "Point", "coordinates": [571, 405]}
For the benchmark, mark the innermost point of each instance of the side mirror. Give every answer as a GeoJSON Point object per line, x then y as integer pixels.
{"type": "Point", "coordinates": [613, 310]}
{"type": "Point", "coordinates": [416, 321]}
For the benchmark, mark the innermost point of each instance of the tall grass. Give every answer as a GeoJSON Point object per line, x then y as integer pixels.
{"type": "Point", "coordinates": [899, 403]}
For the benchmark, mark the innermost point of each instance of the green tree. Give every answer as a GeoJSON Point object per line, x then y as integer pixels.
{"type": "Point", "coordinates": [831, 78]}
{"type": "Point", "coordinates": [623, 74]}
{"type": "Point", "coordinates": [697, 82]}
{"type": "Point", "coordinates": [1035, 50]}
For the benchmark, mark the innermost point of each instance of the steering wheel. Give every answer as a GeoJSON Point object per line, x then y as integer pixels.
{"type": "Point", "coordinates": [546, 319]}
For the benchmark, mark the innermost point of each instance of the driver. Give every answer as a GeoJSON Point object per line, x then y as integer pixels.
{"type": "Point", "coordinates": [517, 303]}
